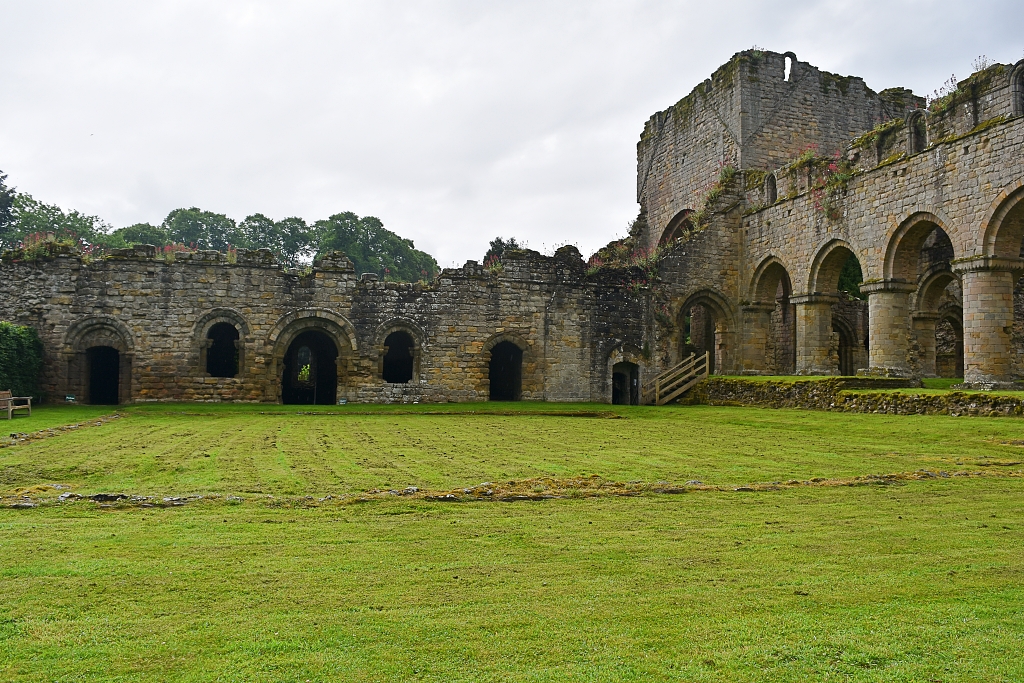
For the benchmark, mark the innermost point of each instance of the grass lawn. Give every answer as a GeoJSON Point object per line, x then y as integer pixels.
{"type": "Point", "coordinates": [910, 581]}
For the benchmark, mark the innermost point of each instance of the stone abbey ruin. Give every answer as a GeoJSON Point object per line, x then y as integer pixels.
{"type": "Point", "coordinates": [755, 190]}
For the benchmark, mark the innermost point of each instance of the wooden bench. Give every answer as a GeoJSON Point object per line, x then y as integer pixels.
{"type": "Point", "coordinates": [11, 403]}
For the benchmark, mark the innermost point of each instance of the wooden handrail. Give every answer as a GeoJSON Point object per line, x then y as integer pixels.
{"type": "Point", "coordinates": [677, 380]}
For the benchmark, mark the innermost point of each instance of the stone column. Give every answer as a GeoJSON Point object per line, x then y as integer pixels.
{"type": "Point", "coordinates": [924, 335]}
{"type": "Point", "coordinates": [814, 334]}
{"type": "Point", "coordinates": [988, 319]}
{"type": "Point", "coordinates": [888, 327]}
{"type": "Point", "coordinates": [757, 319]}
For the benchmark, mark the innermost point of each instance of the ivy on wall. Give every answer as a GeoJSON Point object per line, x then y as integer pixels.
{"type": "Point", "coordinates": [21, 359]}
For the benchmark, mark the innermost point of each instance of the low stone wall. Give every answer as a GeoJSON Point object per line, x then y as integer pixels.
{"type": "Point", "coordinates": [832, 394]}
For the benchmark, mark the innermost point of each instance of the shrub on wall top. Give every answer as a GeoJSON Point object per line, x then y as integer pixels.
{"type": "Point", "coordinates": [21, 360]}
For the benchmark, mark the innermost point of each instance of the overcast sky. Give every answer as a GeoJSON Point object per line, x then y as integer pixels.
{"type": "Point", "coordinates": [451, 121]}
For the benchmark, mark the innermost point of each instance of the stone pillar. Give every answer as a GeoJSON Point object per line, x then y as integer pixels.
{"type": "Point", "coordinates": [888, 327]}
{"type": "Point", "coordinates": [814, 334]}
{"type": "Point", "coordinates": [757, 319]}
{"type": "Point", "coordinates": [924, 335]}
{"type": "Point", "coordinates": [988, 319]}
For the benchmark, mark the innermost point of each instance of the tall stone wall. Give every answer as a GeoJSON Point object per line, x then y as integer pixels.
{"type": "Point", "coordinates": [157, 315]}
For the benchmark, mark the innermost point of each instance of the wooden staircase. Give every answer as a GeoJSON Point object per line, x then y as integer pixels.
{"type": "Point", "coordinates": [674, 382]}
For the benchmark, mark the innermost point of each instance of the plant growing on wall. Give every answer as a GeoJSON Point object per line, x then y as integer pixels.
{"type": "Point", "coordinates": [21, 359]}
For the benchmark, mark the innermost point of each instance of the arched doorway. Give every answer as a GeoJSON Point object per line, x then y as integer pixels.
{"type": "Point", "coordinates": [705, 326]}
{"type": "Point", "coordinates": [222, 350]}
{"type": "Point", "coordinates": [832, 315]}
{"type": "Point", "coordinates": [773, 321]}
{"type": "Point", "coordinates": [949, 346]}
{"type": "Point", "coordinates": [505, 372]}
{"type": "Point", "coordinates": [98, 352]}
{"type": "Point", "coordinates": [104, 370]}
{"type": "Point", "coordinates": [399, 357]}
{"type": "Point", "coordinates": [626, 384]}
{"type": "Point", "coordinates": [310, 370]}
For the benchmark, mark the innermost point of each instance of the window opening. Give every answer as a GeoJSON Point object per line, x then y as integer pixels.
{"type": "Point", "coordinates": [222, 352]}
{"type": "Point", "coordinates": [789, 69]}
{"type": "Point", "coordinates": [398, 358]}
{"type": "Point", "coordinates": [771, 190]}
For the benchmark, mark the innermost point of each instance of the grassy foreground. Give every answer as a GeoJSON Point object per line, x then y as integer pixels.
{"type": "Point", "coordinates": [910, 581]}
{"type": "Point", "coordinates": [278, 450]}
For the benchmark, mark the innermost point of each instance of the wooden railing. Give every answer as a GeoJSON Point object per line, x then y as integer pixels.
{"type": "Point", "coordinates": [676, 381]}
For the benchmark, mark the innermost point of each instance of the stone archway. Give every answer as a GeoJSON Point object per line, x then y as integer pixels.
{"type": "Point", "coordinates": [330, 343]}
{"type": "Point", "coordinates": [705, 324]}
{"type": "Point", "coordinates": [769, 335]}
{"type": "Point", "coordinates": [98, 354]}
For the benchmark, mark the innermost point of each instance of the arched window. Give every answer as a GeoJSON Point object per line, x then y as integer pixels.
{"type": "Point", "coordinates": [1017, 89]}
{"type": "Point", "coordinates": [771, 190]}
{"type": "Point", "coordinates": [399, 357]}
{"type": "Point", "coordinates": [222, 352]}
{"type": "Point", "coordinates": [787, 74]}
{"type": "Point", "coordinates": [917, 132]}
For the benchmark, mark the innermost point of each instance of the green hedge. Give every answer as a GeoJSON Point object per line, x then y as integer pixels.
{"type": "Point", "coordinates": [21, 359]}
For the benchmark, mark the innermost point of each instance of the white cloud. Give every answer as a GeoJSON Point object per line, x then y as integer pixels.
{"type": "Point", "coordinates": [451, 121]}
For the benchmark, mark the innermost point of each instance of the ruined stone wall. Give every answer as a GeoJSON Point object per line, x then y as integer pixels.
{"type": "Point", "coordinates": [156, 314]}
{"type": "Point", "coordinates": [750, 116]}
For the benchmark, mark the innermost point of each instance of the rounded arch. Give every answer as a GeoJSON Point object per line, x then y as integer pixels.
{"type": "Point", "coordinates": [828, 263]}
{"type": "Point", "coordinates": [903, 252]}
{"type": "Point", "coordinates": [505, 354]}
{"type": "Point", "coordinates": [399, 324]}
{"type": "Point", "coordinates": [917, 132]}
{"type": "Point", "coordinates": [706, 321]}
{"type": "Point", "coordinates": [98, 353]}
{"type": "Point", "coordinates": [499, 337]}
{"type": "Point", "coordinates": [1017, 89]}
{"type": "Point", "coordinates": [220, 315]}
{"type": "Point", "coordinates": [676, 228]}
{"type": "Point", "coordinates": [932, 286]}
{"type": "Point", "coordinates": [98, 330]}
{"type": "Point", "coordinates": [771, 189]}
{"type": "Point", "coordinates": [216, 354]}
{"type": "Point", "coordinates": [767, 277]}
{"type": "Point", "coordinates": [399, 364]}
{"type": "Point", "coordinates": [624, 372]}
{"type": "Point", "coordinates": [1003, 225]}
{"type": "Point", "coordinates": [846, 347]}
{"type": "Point", "coordinates": [291, 325]}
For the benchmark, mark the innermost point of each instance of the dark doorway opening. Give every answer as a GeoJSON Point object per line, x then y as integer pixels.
{"type": "Point", "coordinates": [626, 384]}
{"type": "Point", "coordinates": [310, 370]}
{"type": "Point", "coordinates": [506, 372]}
{"type": "Point", "coordinates": [222, 353]}
{"type": "Point", "coordinates": [846, 344]}
{"type": "Point", "coordinates": [949, 348]}
{"type": "Point", "coordinates": [398, 358]}
{"type": "Point", "coordinates": [700, 334]}
{"type": "Point", "coordinates": [104, 375]}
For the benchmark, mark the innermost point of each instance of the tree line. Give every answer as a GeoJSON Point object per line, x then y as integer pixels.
{"type": "Point", "coordinates": [364, 239]}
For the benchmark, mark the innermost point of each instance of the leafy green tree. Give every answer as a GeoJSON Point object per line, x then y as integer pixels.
{"type": "Point", "coordinates": [373, 248]}
{"type": "Point", "coordinates": [143, 233]}
{"type": "Point", "coordinates": [201, 229]}
{"type": "Point", "coordinates": [260, 232]}
{"type": "Point", "coordinates": [31, 216]}
{"type": "Point", "coordinates": [8, 239]}
{"type": "Point", "coordinates": [297, 238]}
{"type": "Point", "coordinates": [850, 277]}
{"type": "Point", "coordinates": [499, 246]}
